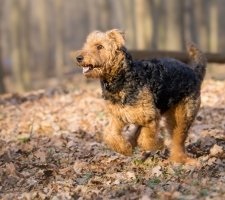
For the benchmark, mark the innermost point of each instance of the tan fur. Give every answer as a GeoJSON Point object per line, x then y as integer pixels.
{"type": "Point", "coordinates": [145, 115]}
{"type": "Point", "coordinates": [103, 60]}
{"type": "Point", "coordinates": [178, 120]}
{"type": "Point", "coordinates": [102, 51]}
{"type": "Point", "coordinates": [142, 113]}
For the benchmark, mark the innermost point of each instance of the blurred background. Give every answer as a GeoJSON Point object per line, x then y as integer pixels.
{"type": "Point", "coordinates": [36, 37]}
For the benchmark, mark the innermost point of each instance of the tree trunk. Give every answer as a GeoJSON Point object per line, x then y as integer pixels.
{"type": "Point", "coordinates": [103, 10]}
{"type": "Point", "coordinates": [44, 38]}
{"type": "Point", "coordinates": [130, 27]}
{"type": "Point", "coordinates": [154, 7]}
{"type": "Point", "coordinates": [143, 24]}
{"type": "Point", "coordinates": [190, 20]}
{"type": "Point", "coordinates": [116, 9]}
{"type": "Point", "coordinates": [24, 49]}
{"type": "Point", "coordinates": [59, 39]}
{"type": "Point", "coordinates": [20, 44]}
{"type": "Point", "coordinates": [162, 26]}
{"type": "Point", "coordinates": [92, 16]}
{"type": "Point", "coordinates": [213, 26]}
{"type": "Point", "coordinates": [202, 20]}
{"type": "Point", "coordinates": [16, 42]}
{"type": "Point", "coordinates": [221, 25]}
{"type": "Point", "coordinates": [2, 86]}
{"type": "Point", "coordinates": [174, 39]}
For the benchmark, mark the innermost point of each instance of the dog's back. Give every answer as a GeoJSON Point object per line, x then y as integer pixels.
{"type": "Point", "coordinates": [171, 80]}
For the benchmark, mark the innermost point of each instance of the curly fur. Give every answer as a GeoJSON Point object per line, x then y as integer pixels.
{"type": "Point", "coordinates": [141, 92]}
{"type": "Point", "coordinates": [169, 81]}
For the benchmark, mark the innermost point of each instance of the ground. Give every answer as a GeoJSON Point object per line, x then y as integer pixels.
{"type": "Point", "coordinates": [50, 148]}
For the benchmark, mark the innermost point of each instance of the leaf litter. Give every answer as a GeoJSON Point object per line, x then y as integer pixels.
{"type": "Point", "coordinates": [51, 148]}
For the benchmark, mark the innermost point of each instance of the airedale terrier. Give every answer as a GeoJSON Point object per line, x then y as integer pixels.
{"type": "Point", "coordinates": [141, 92]}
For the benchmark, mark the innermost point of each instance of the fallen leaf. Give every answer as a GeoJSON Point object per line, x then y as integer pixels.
{"type": "Point", "coordinates": [10, 169]}
{"type": "Point", "coordinates": [216, 150]}
{"type": "Point", "coordinates": [130, 175]}
{"type": "Point", "coordinates": [41, 155]}
{"type": "Point", "coordinates": [157, 171]}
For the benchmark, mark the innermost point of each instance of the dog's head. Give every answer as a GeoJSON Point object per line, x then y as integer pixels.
{"type": "Point", "coordinates": [101, 53]}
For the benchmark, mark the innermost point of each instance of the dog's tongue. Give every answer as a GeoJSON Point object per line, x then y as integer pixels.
{"type": "Point", "coordinates": [85, 69]}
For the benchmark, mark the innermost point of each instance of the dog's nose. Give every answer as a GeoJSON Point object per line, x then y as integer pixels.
{"type": "Point", "coordinates": [79, 58]}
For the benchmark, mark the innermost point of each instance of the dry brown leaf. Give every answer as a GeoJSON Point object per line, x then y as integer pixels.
{"type": "Point", "coordinates": [41, 155]}
{"type": "Point", "coordinates": [216, 150]}
{"type": "Point", "coordinates": [157, 171]}
{"type": "Point", "coordinates": [11, 169]}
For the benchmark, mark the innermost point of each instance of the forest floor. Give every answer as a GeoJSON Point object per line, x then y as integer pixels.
{"type": "Point", "coordinates": [50, 148]}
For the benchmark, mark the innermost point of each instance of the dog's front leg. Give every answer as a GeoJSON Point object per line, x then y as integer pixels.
{"type": "Point", "coordinates": [114, 138]}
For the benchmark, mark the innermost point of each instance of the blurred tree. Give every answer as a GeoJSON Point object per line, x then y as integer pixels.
{"type": "Point", "coordinates": [25, 12]}
{"type": "Point", "coordinates": [221, 25]}
{"type": "Point", "coordinates": [154, 6]}
{"type": "Point", "coordinates": [16, 56]}
{"type": "Point", "coordinates": [103, 14]}
{"type": "Point", "coordinates": [59, 38]}
{"type": "Point", "coordinates": [44, 37]}
{"type": "Point", "coordinates": [20, 40]}
{"type": "Point", "coordinates": [202, 14]}
{"type": "Point", "coordinates": [2, 86]}
{"type": "Point", "coordinates": [174, 24]}
{"type": "Point", "coordinates": [118, 20]}
{"type": "Point", "coordinates": [129, 23]}
{"type": "Point", "coordinates": [161, 15]}
{"type": "Point", "coordinates": [190, 6]}
{"type": "Point", "coordinates": [213, 26]}
{"type": "Point", "coordinates": [143, 24]}
{"type": "Point", "coordinates": [93, 22]}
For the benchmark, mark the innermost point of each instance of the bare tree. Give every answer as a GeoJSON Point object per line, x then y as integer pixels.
{"type": "Point", "coordinates": [2, 86]}
{"type": "Point", "coordinates": [213, 26]}
{"type": "Point", "coordinates": [118, 20]}
{"type": "Point", "coordinates": [174, 38]}
{"type": "Point", "coordinates": [44, 37]}
{"type": "Point", "coordinates": [202, 21]}
{"type": "Point", "coordinates": [93, 22]}
{"type": "Point", "coordinates": [154, 7]}
{"type": "Point", "coordinates": [190, 21]}
{"type": "Point", "coordinates": [162, 26]}
{"type": "Point", "coordinates": [59, 39]}
{"type": "Point", "coordinates": [221, 25]}
{"type": "Point", "coordinates": [103, 17]}
{"type": "Point", "coordinates": [143, 24]}
{"type": "Point", "coordinates": [25, 39]}
{"type": "Point", "coordinates": [20, 43]}
{"type": "Point", "coordinates": [129, 23]}
{"type": "Point", "coordinates": [16, 56]}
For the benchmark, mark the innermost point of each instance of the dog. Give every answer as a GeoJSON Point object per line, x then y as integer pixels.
{"type": "Point", "coordinates": [142, 92]}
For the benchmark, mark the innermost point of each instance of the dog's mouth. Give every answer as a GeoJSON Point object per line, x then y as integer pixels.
{"type": "Point", "coordinates": [87, 68]}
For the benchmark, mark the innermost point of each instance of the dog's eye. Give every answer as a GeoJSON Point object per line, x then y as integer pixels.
{"type": "Point", "coordinates": [99, 47]}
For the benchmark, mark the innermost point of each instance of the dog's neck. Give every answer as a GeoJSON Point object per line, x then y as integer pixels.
{"type": "Point", "coordinates": [114, 84]}
{"type": "Point", "coordinates": [115, 80]}
{"type": "Point", "coordinates": [114, 87]}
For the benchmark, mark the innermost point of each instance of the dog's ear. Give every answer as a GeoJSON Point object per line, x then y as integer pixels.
{"type": "Point", "coordinates": [117, 36]}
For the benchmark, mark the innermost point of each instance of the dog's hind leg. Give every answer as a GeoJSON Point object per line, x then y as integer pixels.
{"type": "Point", "coordinates": [178, 120]}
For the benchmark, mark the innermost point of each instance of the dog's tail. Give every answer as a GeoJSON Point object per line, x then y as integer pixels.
{"type": "Point", "coordinates": [198, 60]}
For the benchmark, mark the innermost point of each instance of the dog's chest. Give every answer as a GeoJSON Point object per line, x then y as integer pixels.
{"type": "Point", "coordinates": [141, 112]}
